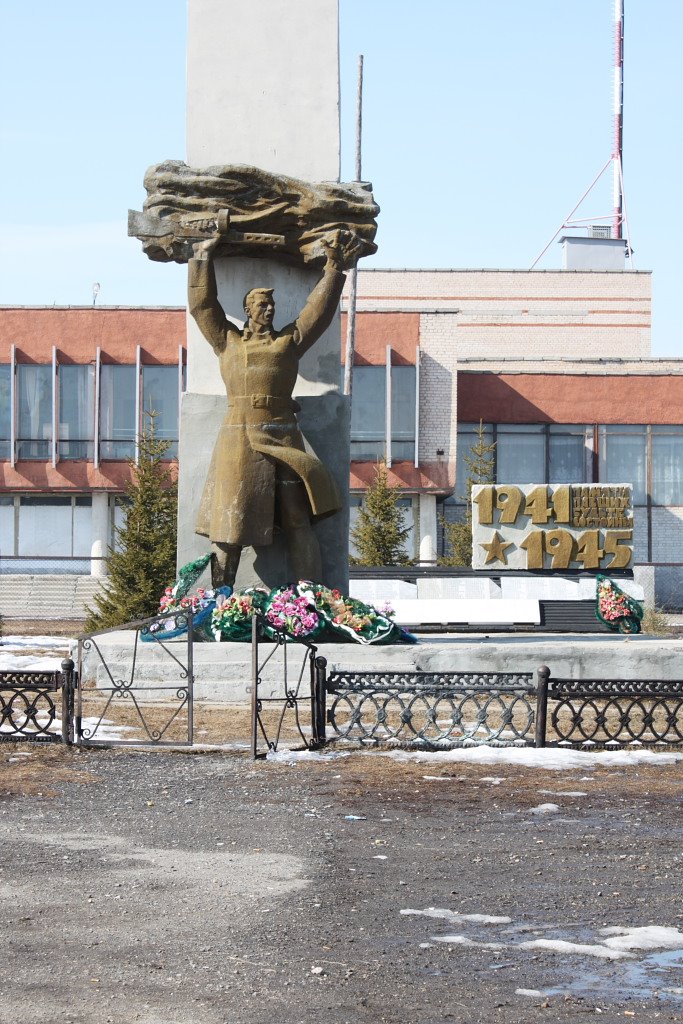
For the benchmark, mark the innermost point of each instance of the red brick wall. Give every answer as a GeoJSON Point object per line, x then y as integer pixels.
{"type": "Point", "coordinates": [565, 398]}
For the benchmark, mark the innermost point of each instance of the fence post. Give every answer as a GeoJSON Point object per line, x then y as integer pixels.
{"type": "Point", "coordinates": [320, 702]}
{"type": "Point", "coordinates": [68, 701]}
{"type": "Point", "coordinates": [542, 680]}
{"type": "Point", "coordinates": [254, 682]}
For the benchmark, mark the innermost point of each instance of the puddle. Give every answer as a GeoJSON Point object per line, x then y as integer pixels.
{"type": "Point", "coordinates": [617, 964]}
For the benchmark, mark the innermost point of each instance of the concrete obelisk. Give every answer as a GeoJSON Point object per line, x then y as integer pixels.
{"type": "Point", "coordinates": [263, 90]}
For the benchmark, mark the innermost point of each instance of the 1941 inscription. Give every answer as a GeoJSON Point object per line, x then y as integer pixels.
{"type": "Point", "coordinates": [555, 527]}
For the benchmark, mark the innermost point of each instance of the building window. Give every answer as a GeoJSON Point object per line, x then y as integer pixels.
{"type": "Point", "coordinates": [403, 413]}
{"type": "Point", "coordinates": [527, 453]}
{"type": "Point", "coordinates": [45, 533]}
{"type": "Point", "coordinates": [520, 454]}
{"type": "Point", "coordinates": [5, 411]}
{"type": "Point", "coordinates": [569, 458]}
{"type": "Point", "coordinates": [76, 411]}
{"type": "Point", "coordinates": [6, 525]}
{"type": "Point", "coordinates": [667, 465]}
{"type": "Point", "coordinates": [623, 458]}
{"type": "Point", "coordinates": [34, 397]}
{"type": "Point", "coordinates": [160, 397]}
{"type": "Point", "coordinates": [369, 410]}
{"type": "Point", "coordinates": [117, 411]}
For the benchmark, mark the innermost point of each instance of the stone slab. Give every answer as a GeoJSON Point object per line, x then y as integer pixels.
{"type": "Point", "coordinates": [466, 588]}
{"type": "Point", "coordinates": [548, 588]}
{"type": "Point", "coordinates": [470, 612]}
{"type": "Point", "coordinates": [223, 671]}
{"type": "Point", "coordinates": [587, 589]}
{"type": "Point", "coordinates": [376, 592]}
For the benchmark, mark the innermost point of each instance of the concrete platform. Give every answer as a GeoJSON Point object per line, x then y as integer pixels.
{"type": "Point", "coordinates": [223, 671]}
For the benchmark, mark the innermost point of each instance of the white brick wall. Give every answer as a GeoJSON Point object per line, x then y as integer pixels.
{"type": "Point", "coordinates": [640, 535]}
{"type": "Point", "coordinates": [667, 534]}
{"type": "Point", "coordinates": [438, 389]}
{"type": "Point", "coordinates": [508, 314]}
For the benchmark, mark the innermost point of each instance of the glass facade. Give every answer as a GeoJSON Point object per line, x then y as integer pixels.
{"type": "Point", "coordinates": [623, 458]}
{"type": "Point", "coordinates": [520, 453]}
{"type": "Point", "coordinates": [528, 452]}
{"type": "Point", "coordinates": [569, 458]}
{"type": "Point", "coordinates": [5, 410]}
{"type": "Point", "coordinates": [117, 411]}
{"type": "Point", "coordinates": [369, 409]}
{"type": "Point", "coordinates": [160, 403]}
{"type": "Point", "coordinates": [34, 412]}
{"type": "Point", "coordinates": [667, 465]}
{"type": "Point", "coordinates": [76, 412]}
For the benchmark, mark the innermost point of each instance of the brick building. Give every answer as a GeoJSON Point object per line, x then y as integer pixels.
{"type": "Point", "coordinates": [556, 364]}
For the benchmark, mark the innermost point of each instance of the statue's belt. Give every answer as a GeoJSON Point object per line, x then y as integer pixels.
{"type": "Point", "coordinates": [274, 404]}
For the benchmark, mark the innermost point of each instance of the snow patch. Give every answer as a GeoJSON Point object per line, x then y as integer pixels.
{"type": "Point", "coordinates": [36, 641]}
{"type": "Point", "coordinates": [285, 756]}
{"type": "Point", "coordinates": [455, 916]}
{"type": "Point", "coordinates": [583, 948]}
{"type": "Point", "coordinates": [545, 809]}
{"type": "Point", "coordinates": [29, 663]}
{"type": "Point", "coordinates": [650, 937]}
{"type": "Point", "coordinates": [547, 758]}
{"type": "Point", "coordinates": [462, 940]}
{"type": "Point", "coordinates": [569, 792]}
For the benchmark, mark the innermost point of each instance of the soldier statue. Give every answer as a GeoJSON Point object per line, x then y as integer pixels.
{"type": "Point", "coordinates": [261, 477]}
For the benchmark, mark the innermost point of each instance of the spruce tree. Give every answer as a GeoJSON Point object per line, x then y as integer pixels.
{"type": "Point", "coordinates": [380, 531]}
{"type": "Point", "coordinates": [480, 461]}
{"type": "Point", "coordinates": [145, 561]}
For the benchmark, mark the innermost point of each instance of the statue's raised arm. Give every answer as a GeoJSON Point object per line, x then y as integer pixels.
{"type": "Point", "coordinates": [317, 314]}
{"type": "Point", "coordinates": [202, 296]}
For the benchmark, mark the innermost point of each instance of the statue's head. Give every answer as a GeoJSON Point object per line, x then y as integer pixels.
{"type": "Point", "coordinates": [260, 306]}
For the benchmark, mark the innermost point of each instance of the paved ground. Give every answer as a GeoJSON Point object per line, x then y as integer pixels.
{"type": "Point", "coordinates": [166, 888]}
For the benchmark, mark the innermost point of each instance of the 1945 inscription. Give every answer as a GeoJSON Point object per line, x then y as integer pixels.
{"type": "Point", "coordinates": [582, 526]}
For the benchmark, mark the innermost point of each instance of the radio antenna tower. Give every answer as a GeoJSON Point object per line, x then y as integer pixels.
{"type": "Point", "coordinates": [617, 156]}
{"type": "Point", "coordinates": [618, 217]}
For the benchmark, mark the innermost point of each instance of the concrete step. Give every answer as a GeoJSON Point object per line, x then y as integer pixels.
{"type": "Point", "coordinates": [223, 671]}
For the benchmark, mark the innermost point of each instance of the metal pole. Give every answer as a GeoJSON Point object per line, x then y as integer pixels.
{"type": "Point", "coordinates": [254, 683]}
{"type": "Point", "coordinates": [542, 680]}
{"type": "Point", "coordinates": [353, 277]}
{"type": "Point", "coordinates": [617, 154]}
{"type": "Point", "coordinates": [190, 678]}
{"type": "Point", "coordinates": [68, 701]}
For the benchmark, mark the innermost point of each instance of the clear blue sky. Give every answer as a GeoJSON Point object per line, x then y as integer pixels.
{"type": "Point", "coordinates": [483, 124]}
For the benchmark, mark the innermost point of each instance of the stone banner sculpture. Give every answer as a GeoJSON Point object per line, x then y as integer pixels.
{"type": "Point", "coordinates": [256, 214]}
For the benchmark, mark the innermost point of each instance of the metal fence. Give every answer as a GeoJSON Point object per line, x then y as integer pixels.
{"type": "Point", "coordinates": [433, 709]}
{"type": "Point", "coordinates": [37, 706]}
{"type": "Point", "coordinates": [287, 682]}
{"type": "Point", "coordinates": [136, 699]}
{"type": "Point", "coordinates": [445, 710]}
{"type": "Point", "coordinates": [294, 697]}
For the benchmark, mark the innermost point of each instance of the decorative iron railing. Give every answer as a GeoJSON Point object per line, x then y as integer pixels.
{"type": "Point", "coordinates": [37, 705]}
{"type": "Point", "coordinates": [129, 699]}
{"type": "Point", "coordinates": [429, 709]}
{"type": "Point", "coordinates": [616, 712]}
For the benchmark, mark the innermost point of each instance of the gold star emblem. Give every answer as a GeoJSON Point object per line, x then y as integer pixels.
{"type": "Point", "coordinates": [495, 549]}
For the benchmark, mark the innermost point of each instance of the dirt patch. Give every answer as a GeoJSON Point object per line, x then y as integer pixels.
{"type": "Point", "coordinates": [43, 627]}
{"type": "Point", "coordinates": [33, 769]}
